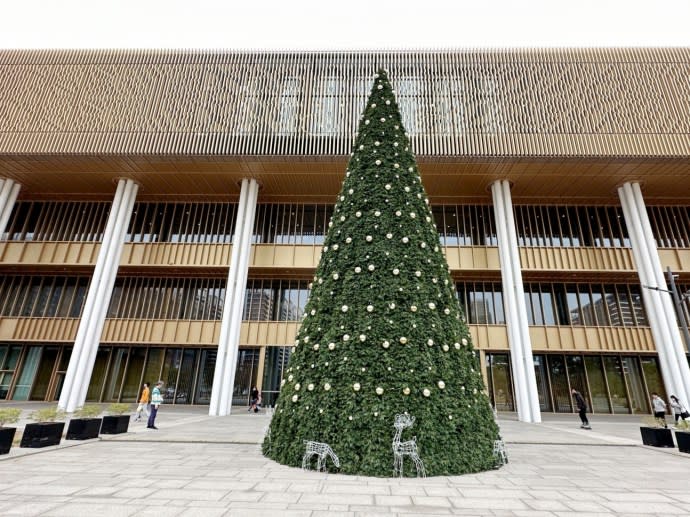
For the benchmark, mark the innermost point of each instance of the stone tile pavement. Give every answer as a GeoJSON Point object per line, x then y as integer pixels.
{"type": "Point", "coordinates": [196, 465]}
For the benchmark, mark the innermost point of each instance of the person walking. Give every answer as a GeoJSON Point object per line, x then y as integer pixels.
{"type": "Point", "coordinates": [581, 408]}
{"type": "Point", "coordinates": [254, 400]}
{"type": "Point", "coordinates": [156, 401]}
{"type": "Point", "coordinates": [144, 402]}
{"type": "Point", "coordinates": [659, 407]}
{"type": "Point", "coordinates": [679, 411]}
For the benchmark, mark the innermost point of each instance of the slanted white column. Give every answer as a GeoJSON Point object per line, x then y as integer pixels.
{"type": "Point", "coordinates": [661, 311]}
{"type": "Point", "coordinates": [9, 190]}
{"type": "Point", "coordinates": [522, 362]}
{"type": "Point", "coordinates": [81, 362]}
{"type": "Point", "coordinates": [229, 342]}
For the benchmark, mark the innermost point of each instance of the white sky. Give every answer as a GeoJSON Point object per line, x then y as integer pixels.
{"type": "Point", "coordinates": [344, 24]}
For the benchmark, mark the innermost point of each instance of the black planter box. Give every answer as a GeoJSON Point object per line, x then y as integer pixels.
{"type": "Point", "coordinates": [42, 434]}
{"type": "Point", "coordinates": [115, 424]}
{"type": "Point", "coordinates": [6, 438]}
{"type": "Point", "coordinates": [657, 437]}
{"type": "Point", "coordinates": [683, 439]}
{"type": "Point", "coordinates": [83, 428]}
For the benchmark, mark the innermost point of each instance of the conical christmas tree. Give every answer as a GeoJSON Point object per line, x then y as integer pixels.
{"type": "Point", "coordinates": [383, 333]}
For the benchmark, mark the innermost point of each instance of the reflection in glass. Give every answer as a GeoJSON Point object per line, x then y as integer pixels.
{"type": "Point", "coordinates": [576, 376]}
{"type": "Point", "coordinates": [246, 375]}
{"type": "Point", "coordinates": [559, 384]}
{"type": "Point", "coordinates": [636, 387]}
{"type": "Point", "coordinates": [652, 374]}
{"type": "Point", "coordinates": [542, 382]}
{"type": "Point", "coordinates": [614, 376]}
{"type": "Point", "coordinates": [205, 380]}
{"type": "Point", "coordinates": [26, 378]}
{"type": "Point", "coordinates": [98, 376]}
{"type": "Point", "coordinates": [132, 386]}
{"type": "Point", "coordinates": [171, 369]}
{"type": "Point", "coordinates": [500, 382]}
{"type": "Point", "coordinates": [597, 384]}
{"type": "Point", "coordinates": [275, 362]}
{"type": "Point", "coordinates": [116, 373]}
{"type": "Point", "coordinates": [44, 373]}
{"type": "Point", "coordinates": [183, 395]}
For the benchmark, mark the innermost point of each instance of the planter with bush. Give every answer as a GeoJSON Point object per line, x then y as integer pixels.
{"type": "Point", "coordinates": [8, 416]}
{"type": "Point", "coordinates": [655, 434]}
{"type": "Point", "coordinates": [683, 436]}
{"type": "Point", "coordinates": [85, 425]}
{"type": "Point", "coordinates": [47, 429]}
{"type": "Point", "coordinates": [116, 422]}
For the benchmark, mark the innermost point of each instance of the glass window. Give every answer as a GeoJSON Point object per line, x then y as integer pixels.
{"type": "Point", "coordinates": [559, 384]}
{"type": "Point", "coordinates": [500, 382]}
{"type": "Point", "coordinates": [542, 378]}
{"type": "Point", "coordinates": [616, 383]}
{"type": "Point", "coordinates": [636, 385]}
{"type": "Point", "coordinates": [598, 391]}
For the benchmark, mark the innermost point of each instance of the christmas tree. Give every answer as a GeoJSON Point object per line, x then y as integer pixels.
{"type": "Point", "coordinates": [383, 332]}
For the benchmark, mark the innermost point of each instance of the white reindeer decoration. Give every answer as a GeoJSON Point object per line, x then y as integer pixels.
{"type": "Point", "coordinates": [321, 450]}
{"type": "Point", "coordinates": [409, 448]}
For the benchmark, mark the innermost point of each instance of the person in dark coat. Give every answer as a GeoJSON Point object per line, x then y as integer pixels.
{"type": "Point", "coordinates": [581, 408]}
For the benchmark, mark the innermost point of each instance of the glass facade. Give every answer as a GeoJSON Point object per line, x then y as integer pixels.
{"type": "Point", "coordinates": [33, 372]}
{"type": "Point", "coordinates": [619, 384]}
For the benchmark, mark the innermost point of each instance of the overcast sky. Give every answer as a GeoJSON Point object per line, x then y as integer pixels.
{"type": "Point", "coordinates": [346, 24]}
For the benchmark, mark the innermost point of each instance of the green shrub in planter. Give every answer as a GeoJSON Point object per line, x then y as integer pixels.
{"type": "Point", "coordinates": [85, 426]}
{"type": "Point", "coordinates": [116, 422]}
{"type": "Point", "coordinates": [46, 431]}
{"type": "Point", "coordinates": [8, 416]}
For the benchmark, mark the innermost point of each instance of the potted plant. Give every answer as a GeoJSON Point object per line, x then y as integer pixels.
{"type": "Point", "coordinates": [8, 415]}
{"type": "Point", "coordinates": [654, 434]}
{"type": "Point", "coordinates": [45, 431]}
{"type": "Point", "coordinates": [683, 435]}
{"type": "Point", "coordinates": [116, 422]}
{"type": "Point", "coordinates": [85, 426]}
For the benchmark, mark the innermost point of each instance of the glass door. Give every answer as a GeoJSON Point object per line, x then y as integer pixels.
{"type": "Point", "coordinates": [45, 373]}
{"type": "Point", "coordinates": [559, 384]}
{"type": "Point", "coordinates": [246, 375]}
{"type": "Point", "coordinates": [500, 382]}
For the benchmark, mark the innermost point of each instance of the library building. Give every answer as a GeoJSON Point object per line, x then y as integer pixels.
{"type": "Point", "coordinates": [162, 214]}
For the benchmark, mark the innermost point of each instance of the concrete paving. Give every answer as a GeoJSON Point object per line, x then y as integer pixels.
{"type": "Point", "coordinates": [197, 465]}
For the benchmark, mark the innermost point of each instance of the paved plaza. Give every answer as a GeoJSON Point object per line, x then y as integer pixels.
{"type": "Point", "coordinates": [201, 466]}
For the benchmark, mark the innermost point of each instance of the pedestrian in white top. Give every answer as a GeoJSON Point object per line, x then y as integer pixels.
{"type": "Point", "coordinates": [679, 411]}
{"type": "Point", "coordinates": [659, 407]}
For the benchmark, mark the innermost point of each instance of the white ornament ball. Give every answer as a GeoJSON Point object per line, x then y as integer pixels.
{"type": "Point", "coordinates": [389, 236]}
{"type": "Point", "coordinates": [446, 348]}
{"type": "Point", "coordinates": [348, 240]}
{"type": "Point", "coordinates": [371, 267]}
{"type": "Point", "coordinates": [417, 274]}
{"type": "Point", "coordinates": [356, 386]}
{"type": "Point", "coordinates": [346, 337]}
{"type": "Point", "coordinates": [378, 162]}
{"type": "Point", "coordinates": [344, 308]}
{"type": "Point", "coordinates": [379, 391]}
{"type": "Point", "coordinates": [290, 378]}
{"type": "Point", "coordinates": [336, 276]}
{"type": "Point", "coordinates": [316, 346]}
{"type": "Point", "coordinates": [413, 308]}
{"type": "Point", "coordinates": [369, 238]}
{"type": "Point", "coordinates": [387, 186]}
{"type": "Point", "coordinates": [405, 240]}
{"type": "Point", "coordinates": [430, 342]}
{"type": "Point", "coordinates": [392, 305]}
{"type": "Point", "coordinates": [446, 311]}
{"type": "Point", "coordinates": [457, 346]}
{"type": "Point", "coordinates": [432, 305]}
{"type": "Point", "coordinates": [358, 214]}
{"type": "Point", "coordinates": [426, 392]}
{"type": "Point", "coordinates": [380, 87]}
{"type": "Point", "coordinates": [370, 308]}
{"type": "Point", "coordinates": [413, 215]}
{"type": "Point", "coordinates": [464, 342]}
{"type": "Point", "coordinates": [398, 213]}
{"type": "Point", "coordinates": [441, 385]}
{"type": "Point", "coordinates": [327, 387]}
{"type": "Point", "coordinates": [385, 344]}
{"type": "Point", "coordinates": [331, 346]}
{"type": "Point", "coordinates": [362, 337]}
{"type": "Point", "coordinates": [297, 386]}
{"type": "Point", "coordinates": [282, 383]}
{"type": "Point", "coordinates": [358, 269]}
{"type": "Point", "coordinates": [396, 271]}
{"type": "Point", "coordinates": [310, 387]}
{"type": "Point", "coordinates": [403, 340]}
{"type": "Point", "coordinates": [406, 391]}
{"type": "Point", "coordinates": [377, 213]}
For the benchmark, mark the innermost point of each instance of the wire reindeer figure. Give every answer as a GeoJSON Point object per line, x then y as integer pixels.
{"type": "Point", "coordinates": [322, 451]}
{"type": "Point", "coordinates": [408, 448]}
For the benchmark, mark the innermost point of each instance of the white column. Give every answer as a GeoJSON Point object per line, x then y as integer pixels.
{"type": "Point", "coordinates": [522, 362]}
{"type": "Point", "coordinates": [509, 308]}
{"type": "Point", "coordinates": [83, 356]}
{"type": "Point", "coordinates": [228, 345]}
{"type": "Point", "coordinates": [518, 286]}
{"type": "Point", "coordinates": [659, 304]}
{"type": "Point", "coordinates": [9, 190]}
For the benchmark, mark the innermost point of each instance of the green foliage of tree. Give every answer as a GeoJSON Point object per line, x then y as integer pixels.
{"type": "Point", "coordinates": [383, 332]}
